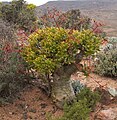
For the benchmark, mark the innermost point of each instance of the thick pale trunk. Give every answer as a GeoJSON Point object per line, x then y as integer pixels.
{"type": "Point", "coordinates": [61, 88]}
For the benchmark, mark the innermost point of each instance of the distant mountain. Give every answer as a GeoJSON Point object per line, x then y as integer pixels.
{"type": "Point", "coordinates": [5, 2]}
{"type": "Point", "coordinates": [65, 5]}
{"type": "Point", "coordinates": [103, 10]}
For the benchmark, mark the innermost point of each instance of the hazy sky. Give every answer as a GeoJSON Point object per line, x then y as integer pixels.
{"type": "Point", "coordinates": [36, 2]}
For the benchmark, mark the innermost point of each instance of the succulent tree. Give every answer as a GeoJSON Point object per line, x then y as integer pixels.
{"type": "Point", "coordinates": [56, 52]}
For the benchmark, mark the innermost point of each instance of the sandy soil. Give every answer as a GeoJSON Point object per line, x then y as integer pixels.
{"type": "Point", "coordinates": [33, 104]}
{"type": "Point", "coordinates": [94, 80]}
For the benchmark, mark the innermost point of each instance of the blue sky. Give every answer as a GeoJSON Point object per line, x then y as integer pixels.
{"type": "Point", "coordinates": [36, 2]}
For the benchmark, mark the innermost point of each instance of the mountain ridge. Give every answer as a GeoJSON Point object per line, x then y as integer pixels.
{"type": "Point", "coordinates": [65, 5]}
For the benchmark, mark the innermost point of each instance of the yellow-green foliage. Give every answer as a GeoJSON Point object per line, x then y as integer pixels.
{"type": "Point", "coordinates": [31, 6]}
{"type": "Point", "coordinates": [51, 48]}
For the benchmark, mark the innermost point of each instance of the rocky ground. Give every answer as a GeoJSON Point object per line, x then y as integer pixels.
{"type": "Point", "coordinates": [107, 109]}
{"type": "Point", "coordinates": [33, 104]}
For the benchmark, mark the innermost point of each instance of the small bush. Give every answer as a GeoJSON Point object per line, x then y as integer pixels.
{"type": "Point", "coordinates": [76, 111]}
{"type": "Point", "coordinates": [91, 97]}
{"type": "Point", "coordinates": [19, 14]}
{"type": "Point", "coordinates": [107, 63]}
{"type": "Point", "coordinates": [74, 20]}
{"type": "Point", "coordinates": [82, 106]}
{"type": "Point", "coordinates": [12, 67]}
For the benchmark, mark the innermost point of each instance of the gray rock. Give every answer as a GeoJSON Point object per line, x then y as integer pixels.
{"type": "Point", "coordinates": [112, 91]}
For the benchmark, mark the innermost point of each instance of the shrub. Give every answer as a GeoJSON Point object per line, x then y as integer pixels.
{"type": "Point", "coordinates": [74, 20]}
{"type": "Point", "coordinates": [76, 111]}
{"type": "Point", "coordinates": [90, 97]}
{"type": "Point", "coordinates": [12, 68]}
{"type": "Point", "coordinates": [71, 19]}
{"type": "Point", "coordinates": [107, 59]}
{"type": "Point", "coordinates": [81, 108]}
{"type": "Point", "coordinates": [111, 44]}
{"type": "Point", "coordinates": [19, 13]}
{"type": "Point", "coordinates": [107, 63]}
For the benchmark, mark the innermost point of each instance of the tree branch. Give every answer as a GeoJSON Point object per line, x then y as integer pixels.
{"type": "Point", "coordinates": [79, 57]}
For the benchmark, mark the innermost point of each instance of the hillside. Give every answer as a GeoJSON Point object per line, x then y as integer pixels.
{"type": "Point", "coordinates": [102, 10]}
{"type": "Point", "coordinates": [5, 2]}
{"type": "Point", "coordinates": [83, 5]}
